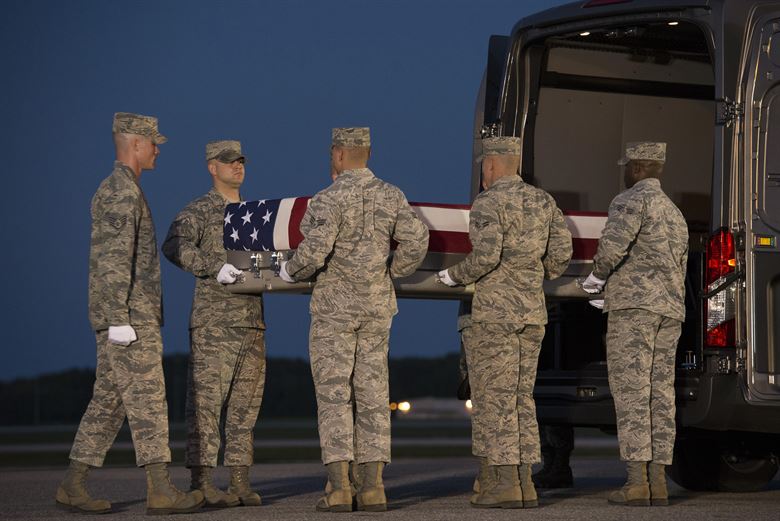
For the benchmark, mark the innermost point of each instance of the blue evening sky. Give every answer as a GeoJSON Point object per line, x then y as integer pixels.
{"type": "Point", "coordinates": [276, 75]}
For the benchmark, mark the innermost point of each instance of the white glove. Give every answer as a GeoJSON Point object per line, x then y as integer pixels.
{"type": "Point", "coordinates": [598, 304]}
{"type": "Point", "coordinates": [283, 272]}
{"type": "Point", "coordinates": [228, 274]}
{"type": "Point", "coordinates": [122, 335]}
{"type": "Point", "coordinates": [593, 285]}
{"type": "Point", "coordinates": [444, 278]}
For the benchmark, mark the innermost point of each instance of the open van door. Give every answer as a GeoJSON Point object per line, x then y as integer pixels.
{"type": "Point", "coordinates": [762, 204]}
{"type": "Point", "coordinates": [487, 109]}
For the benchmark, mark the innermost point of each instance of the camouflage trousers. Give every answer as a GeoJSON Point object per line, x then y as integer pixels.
{"type": "Point", "coordinates": [502, 360]}
{"type": "Point", "coordinates": [129, 383]}
{"type": "Point", "coordinates": [641, 349]}
{"type": "Point", "coordinates": [349, 367]}
{"type": "Point", "coordinates": [477, 433]}
{"type": "Point", "coordinates": [226, 382]}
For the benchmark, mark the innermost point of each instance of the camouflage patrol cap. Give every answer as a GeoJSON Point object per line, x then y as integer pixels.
{"type": "Point", "coordinates": [129, 123]}
{"type": "Point", "coordinates": [225, 151]}
{"type": "Point", "coordinates": [644, 150]}
{"type": "Point", "coordinates": [351, 137]}
{"type": "Point", "coordinates": [500, 146]}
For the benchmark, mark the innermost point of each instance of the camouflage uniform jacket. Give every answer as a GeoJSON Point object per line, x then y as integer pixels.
{"type": "Point", "coordinates": [518, 238]}
{"type": "Point", "coordinates": [194, 243]}
{"type": "Point", "coordinates": [124, 267]}
{"type": "Point", "coordinates": [347, 232]}
{"type": "Point", "coordinates": [643, 252]}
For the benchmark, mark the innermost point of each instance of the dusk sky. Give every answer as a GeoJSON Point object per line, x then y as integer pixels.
{"type": "Point", "coordinates": [277, 75]}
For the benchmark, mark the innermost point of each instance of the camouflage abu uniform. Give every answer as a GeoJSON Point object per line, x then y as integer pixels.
{"type": "Point", "coordinates": [518, 238]}
{"type": "Point", "coordinates": [124, 288]}
{"type": "Point", "coordinates": [642, 254]}
{"type": "Point", "coordinates": [347, 231]}
{"type": "Point", "coordinates": [464, 326]}
{"type": "Point", "coordinates": [227, 341]}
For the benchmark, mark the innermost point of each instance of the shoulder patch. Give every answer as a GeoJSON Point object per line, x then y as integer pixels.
{"type": "Point", "coordinates": [317, 221]}
{"type": "Point", "coordinates": [116, 221]}
{"type": "Point", "coordinates": [481, 223]}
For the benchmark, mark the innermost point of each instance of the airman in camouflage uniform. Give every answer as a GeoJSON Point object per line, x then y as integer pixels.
{"type": "Point", "coordinates": [227, 345]}
{"type": "Point", "coordinates": [518, 238]}
{"type": "Point", "coordinates": [126, 313]}
{"type": "Point", "coordinates": [641, 257]}
{"type": "Point", "coordinates": [464, 393]}
{"type": "Point", "coordinates": [347, 230]}
{"type": "Point", "coordinates": [557, 443]}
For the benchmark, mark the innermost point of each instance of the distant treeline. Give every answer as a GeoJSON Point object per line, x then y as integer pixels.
{"type": "Point", "coordinates": [61, 398]}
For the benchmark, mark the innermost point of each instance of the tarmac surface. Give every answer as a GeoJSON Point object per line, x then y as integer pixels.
{"type": "Point", "coordinates": [418, 489]}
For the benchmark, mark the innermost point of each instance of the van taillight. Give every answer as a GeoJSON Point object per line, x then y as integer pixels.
{"type": "Point", "coordinates": [720, 255]}
{"type": "Point", "coordinates": [719, 308]}
{"type": "Point", "coordinates": [721, 335]}
{"type": "Point", "coordinates": [598, 3]}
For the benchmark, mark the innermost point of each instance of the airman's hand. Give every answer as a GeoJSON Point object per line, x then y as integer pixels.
{"type": "Point", "coordinates": [122, 335]}
{"type": "Point", "coordinates": [444, 277]}
{"type": "Point", "coordinates": [593, 285]}
{"type": "Point", "coordinates": [283, 272]}
{"type": "Point", "coordinates": [228, 274]}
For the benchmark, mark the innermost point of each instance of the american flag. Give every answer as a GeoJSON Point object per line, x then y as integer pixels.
{"type": "Point", "coordinates": [264, 225]}
{"type": "Point", "coordinates": [273, 224]}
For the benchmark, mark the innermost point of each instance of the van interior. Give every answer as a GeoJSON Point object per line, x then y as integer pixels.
{"type": "Point", "coordinates": [589, 93]}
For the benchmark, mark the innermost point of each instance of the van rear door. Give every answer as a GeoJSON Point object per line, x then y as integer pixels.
{"type": "Point", "coordinates": [762, 204]}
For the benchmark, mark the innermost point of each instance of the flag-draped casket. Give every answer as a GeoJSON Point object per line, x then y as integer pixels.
{"type": "Point", "coordinates": [258, 234]}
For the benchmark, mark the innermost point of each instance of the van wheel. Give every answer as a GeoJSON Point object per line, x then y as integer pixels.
{"type": "Point", "coordinates": [706, 465]}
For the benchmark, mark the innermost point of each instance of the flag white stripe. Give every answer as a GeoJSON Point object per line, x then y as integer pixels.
{"type": "Point", "coordinates": [444, 219]}
{"type": "Point", "coordinates": [585, 226]}
{"type": "Point", "coordinates": [282, 224]}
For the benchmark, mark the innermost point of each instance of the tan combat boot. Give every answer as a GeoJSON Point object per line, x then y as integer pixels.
{"type": "Point", "coordinates": [659, 495]}
{"type": "Point", "coordinates": [485, 477]}
{"type": "Point", "coordinates": [339, 496]}
{"type": "Point", "coordinates": [505, 491]}
{"type": "Point", "coordinates": [239, 486]}
{"type": "Point", "coordinates": [371, 494]}
{"type": "Point", "coordinates": [163, 498]}
{"type": "Point", "coordinates": [354, 480]}
{"type": "Point", "coordinates": [636, 491]}
{"type": "Point", "coordinates": [215, 498]}
{"type": "Point", "coordinates": [530, 499]}
{"type": "Point", "coordinates": [72, 493]}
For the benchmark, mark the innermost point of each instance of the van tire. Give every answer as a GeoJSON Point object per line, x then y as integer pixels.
{"type": "Point", "coordinates": [705, 464]}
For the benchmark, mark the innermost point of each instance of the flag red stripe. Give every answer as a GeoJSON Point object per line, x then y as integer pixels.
{"type": "Point", "coordinates": [584, 214]}
{"type": "Point", "coordinates": [296, 216]}
{"type": "Point", "coordinates": [584, 249]}
{"type": "Point", "coordinates": [443, 205]}
{"type": "Point", "coordinates": [458, 242]}
{"type": "Point", "coordinates": [449, 242]}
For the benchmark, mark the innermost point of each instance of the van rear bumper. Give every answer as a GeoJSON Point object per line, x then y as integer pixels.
{"type": "Point", "coordinates": [707, 402]}
{"type": "Point", "coordinates": [577, 398]}
{"type": "Point", "coordinates": [720, 404]}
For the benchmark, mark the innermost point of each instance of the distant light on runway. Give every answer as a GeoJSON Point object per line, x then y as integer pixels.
{"type": "Point", "coordinates": [469, 405]}
{"type": "Point", "coordinates": [404, 407]}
